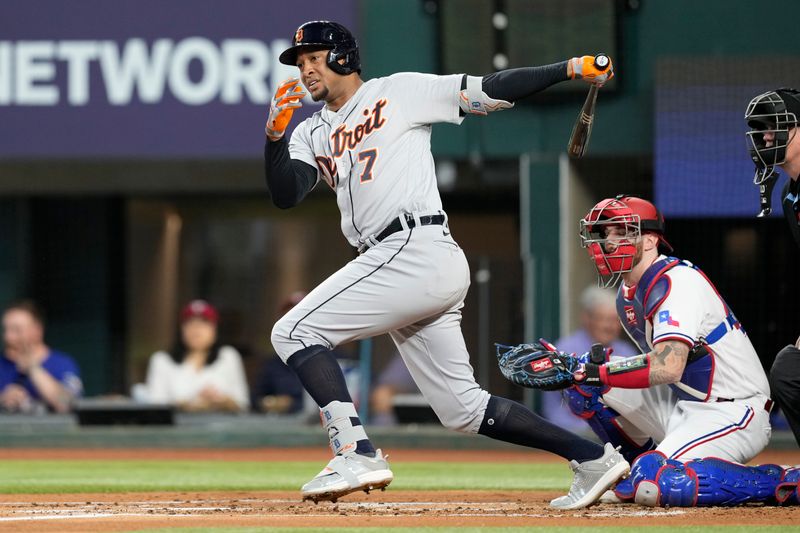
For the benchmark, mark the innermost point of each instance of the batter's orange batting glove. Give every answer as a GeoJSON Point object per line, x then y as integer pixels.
{"type": "Point", "coordinates": [286, 100]}
{"type": "Point", "coordinates": [584, 68]}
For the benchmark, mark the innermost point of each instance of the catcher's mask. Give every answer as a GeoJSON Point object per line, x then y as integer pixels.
{"type": "Point", "coordinates": [772, 112]}
{"type": "Point", "coordinates": [325, 34]}
{"type": "Point", "coordinates": [611, 231]}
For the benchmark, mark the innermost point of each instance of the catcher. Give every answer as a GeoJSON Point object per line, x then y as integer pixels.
{"type": "Point", "coordinates": [696, 391]}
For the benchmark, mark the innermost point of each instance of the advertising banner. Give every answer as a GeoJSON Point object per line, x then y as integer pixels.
{"type": "Point", "coordinates": [146, 78]}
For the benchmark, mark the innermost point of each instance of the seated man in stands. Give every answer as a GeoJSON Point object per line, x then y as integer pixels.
{"type": "Point", "coordinates": [34, 378]}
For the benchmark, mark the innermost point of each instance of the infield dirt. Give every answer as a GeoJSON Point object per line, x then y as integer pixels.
{"type": "Point", "coordinates": [131, 511]}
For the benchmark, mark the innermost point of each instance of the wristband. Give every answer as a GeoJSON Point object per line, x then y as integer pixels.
{"type": "Point", "coordinates": [628, 373]}
{"type": "Point", "coordinates": [591, 375]}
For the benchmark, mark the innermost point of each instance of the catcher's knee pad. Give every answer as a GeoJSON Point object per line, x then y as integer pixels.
{"type": "Point", "coordinates": [675, 485]}
{"type": "Point", "coordinates": [643, 470]}
{"type": "Point", "coordinates": [586, 403]}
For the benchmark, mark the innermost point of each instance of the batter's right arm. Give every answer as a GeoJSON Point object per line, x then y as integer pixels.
{"type": "Point", "coordinates": [499, 90]}
{"type": "Point", "coordinates": [513, 84]}
{"type": "Point", "coordinates": [288, 180]}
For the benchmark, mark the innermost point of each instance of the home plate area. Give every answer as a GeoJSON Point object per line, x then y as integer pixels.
{"type": "Point", "coordinates": [122, 512]}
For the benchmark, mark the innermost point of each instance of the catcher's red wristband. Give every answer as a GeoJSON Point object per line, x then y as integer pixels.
{"type": "Point", "coordinates": [628, 373]}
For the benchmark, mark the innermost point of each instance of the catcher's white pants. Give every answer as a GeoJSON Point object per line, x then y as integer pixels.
{"type": "Point", "coordinates": [411, 285]}
{"type": "Point", "coordinates": [735, 431]}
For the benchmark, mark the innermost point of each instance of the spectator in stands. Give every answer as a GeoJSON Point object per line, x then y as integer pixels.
{"type": "Point", "coordinates": [277, 389]}
{"type": "Point", "coordinates": [393, 380]}
{"type": "Point", "coordinates": [34, 377]}
{"type": "Point", "coordinates": [200, 374]}
{"type": "Point", "coordinates": [599, 323]}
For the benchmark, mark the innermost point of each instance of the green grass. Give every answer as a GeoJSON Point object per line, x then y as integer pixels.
{"type": "Point", "coordinates": [52, 476]}
{"type": "Point", "coordinates": [593, 529]}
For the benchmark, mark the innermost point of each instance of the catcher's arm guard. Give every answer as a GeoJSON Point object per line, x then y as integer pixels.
{"type": "Point", "coordinates": [537, 366]}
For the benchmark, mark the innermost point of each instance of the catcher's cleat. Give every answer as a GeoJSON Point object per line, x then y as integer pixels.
{"type": "Point", "coordinates": [610, 497]}
{"type": "Point", "coordinates": [346, 473]}
{"type": "Point", "coordinates": [592, 479]}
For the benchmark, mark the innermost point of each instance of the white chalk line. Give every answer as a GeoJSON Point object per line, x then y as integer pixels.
{"type": "Point", "coordinates": [410, 509]}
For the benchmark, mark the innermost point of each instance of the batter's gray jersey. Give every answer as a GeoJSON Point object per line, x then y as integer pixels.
{"type": "Point", "coordinates": [375, 150]}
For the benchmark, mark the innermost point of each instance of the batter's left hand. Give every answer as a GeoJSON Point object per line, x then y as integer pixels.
{"type": "Point", "coordinates": [286, 100]}
{"type": "Point", "coordinates": [584, 68]}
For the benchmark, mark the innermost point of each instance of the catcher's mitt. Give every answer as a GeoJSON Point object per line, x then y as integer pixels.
{"type": "Point", "coordinates": [537, 366]}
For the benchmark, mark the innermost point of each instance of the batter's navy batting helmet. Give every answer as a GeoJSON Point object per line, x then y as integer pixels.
{"type": "Point", "coordinates": [326, 34]}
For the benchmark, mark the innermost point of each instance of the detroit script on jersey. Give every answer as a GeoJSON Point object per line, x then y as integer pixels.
{"type": "Point", "coordinates": [375, 153]}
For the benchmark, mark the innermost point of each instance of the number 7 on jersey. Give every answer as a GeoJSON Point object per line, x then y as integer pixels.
{"type": "Point", "coordinates": [370, 156]}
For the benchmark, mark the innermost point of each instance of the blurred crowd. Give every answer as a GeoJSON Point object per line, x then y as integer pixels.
{"type": "Point", "coordinates": [201, 373]}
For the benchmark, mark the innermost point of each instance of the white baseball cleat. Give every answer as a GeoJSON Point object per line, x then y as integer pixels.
{"type": "Point", "coordinates": [592, 479]}
{"type": "Point", "coordinates": [346, 473]}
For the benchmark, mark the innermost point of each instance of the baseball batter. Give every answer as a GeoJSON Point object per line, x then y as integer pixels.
{"type": "Point", "coordinates": [371, 144]}
{"type": "Point", "coordinates": [697, 389]}
{"type": "Point", "coordinates": [773, 121]}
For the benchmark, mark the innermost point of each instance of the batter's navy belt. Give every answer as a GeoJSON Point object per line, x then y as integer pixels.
{"type": "Point", "coordinates": [396, 225]}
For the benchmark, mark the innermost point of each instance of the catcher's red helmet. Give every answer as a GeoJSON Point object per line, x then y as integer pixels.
{"type": "Point", "coordinates": [632, 217]}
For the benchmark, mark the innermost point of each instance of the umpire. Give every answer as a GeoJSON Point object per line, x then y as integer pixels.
{"type": "Point", "coordinates": [773, 121]}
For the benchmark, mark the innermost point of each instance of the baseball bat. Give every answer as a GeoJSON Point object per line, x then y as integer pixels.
{"type": "Point", "coordinates": [582, 130]}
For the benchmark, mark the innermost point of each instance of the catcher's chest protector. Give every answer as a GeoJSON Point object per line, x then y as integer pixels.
{"type": "Point", "coordinates": [652, 290]}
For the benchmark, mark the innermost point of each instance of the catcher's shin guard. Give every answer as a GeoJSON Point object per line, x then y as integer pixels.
{"type": "Point", "coordinates": [708, 482]}
{"type": "Point", "coordinates": [586, 403]}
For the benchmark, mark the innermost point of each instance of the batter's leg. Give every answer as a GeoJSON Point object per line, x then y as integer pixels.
{"type": "Point", "coordinates": [408, 277]}
{"type": "Point", "coordinates": [785, 385]}
{"type": "Point", "coordinates": [437, 358]}
{"type": "Point", "coordinates": [436, 355]}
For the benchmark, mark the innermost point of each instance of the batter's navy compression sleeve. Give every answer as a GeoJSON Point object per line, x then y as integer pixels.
{"type": "Point", "coordinates": [513, 84]}
{"type": "Point", "coordinates": [288, 180]}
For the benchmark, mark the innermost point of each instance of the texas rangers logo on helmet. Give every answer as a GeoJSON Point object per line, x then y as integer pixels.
{"type": "Point", "coordinates": [298, 36]}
